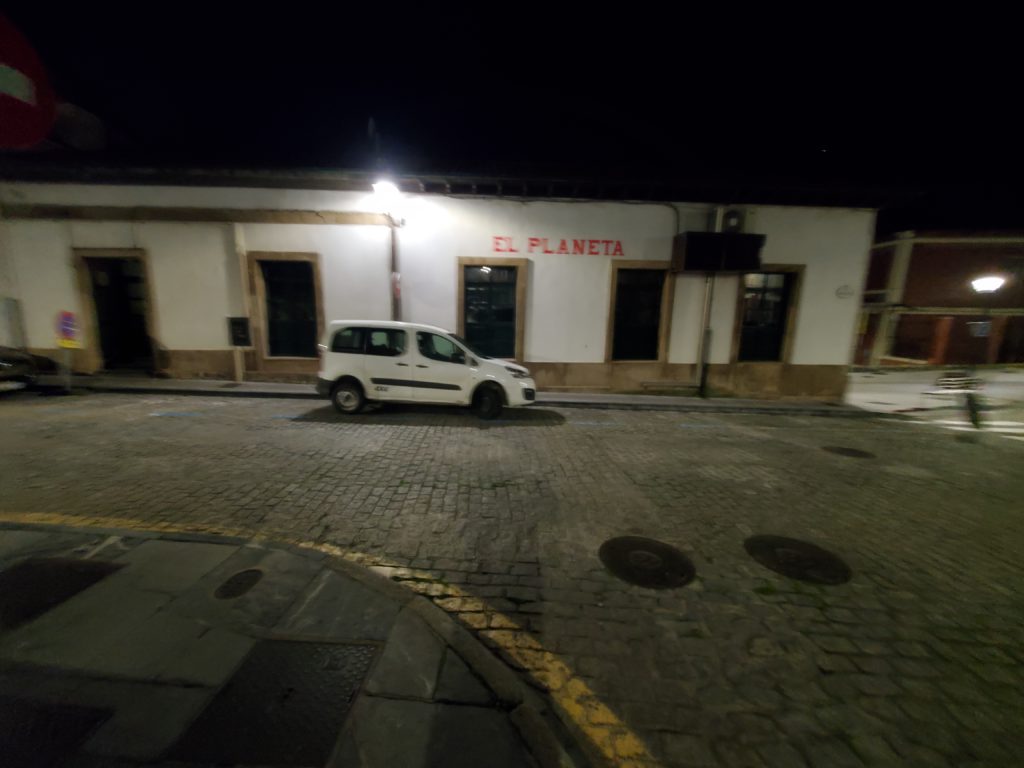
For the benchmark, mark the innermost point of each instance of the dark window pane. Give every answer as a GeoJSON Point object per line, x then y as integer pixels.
{"type": "Point", "coordinates": [765, 314]}
{"type": "Point", "coordinates": [291, 308]}
{"type": "Point", "coordinates": [385, 342]}
{"type": "Point", "coordinates": [490, 310]}
{"type": "Point", "coordinates": [439, 348]}
{"type": "Point", "coordinates": [637, 313]}
{"type": "Point", "coordinates": [348, 340]}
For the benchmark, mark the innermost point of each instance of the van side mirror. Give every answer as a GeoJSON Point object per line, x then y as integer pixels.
{"type": "Point", "coordinates": [458, 356]}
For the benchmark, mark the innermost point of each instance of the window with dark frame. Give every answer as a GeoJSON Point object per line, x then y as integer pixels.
{"type": "Point", "coordinates": [637, 321]}
{"type": "Point", "coordinates": [439, 348]}
{"type": "Point", "coordinates": [290, 307]}
{"type": "Point", "coordinates": [766, 299]}
{"type": "Point", "coordinates": [489, 309]}
{"type": "Point", "coordinates": [385, 342]}
{"type": "Point", "coordinates": [349, 340]}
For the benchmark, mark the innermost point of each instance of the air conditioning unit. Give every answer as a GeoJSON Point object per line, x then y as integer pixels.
{"type": "Point", "coordinates": [730, 218]}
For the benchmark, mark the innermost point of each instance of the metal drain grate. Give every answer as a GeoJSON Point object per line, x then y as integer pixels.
{"type": "Point", "coordinates": [238, 584]}
{"type": "Point", "coordinates": [646, 562]}
{"type": "Point", "coordinates": [853, 453]}
{"type": "Point", "coordinates": [284, 706]}
{"type": "Point", "coordinates": [34, 586]}
{"type": "Point", "coordinates": [35, 733]}
{"type": "Point", "coordinates": [798, 560]}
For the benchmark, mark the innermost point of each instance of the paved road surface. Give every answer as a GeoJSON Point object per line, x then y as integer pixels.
{"type": "Point", "coordinates": [916, 661]}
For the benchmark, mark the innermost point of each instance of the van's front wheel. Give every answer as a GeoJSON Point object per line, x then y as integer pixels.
{"type": "Point", "coordinates": [487, 402]}
{"type": "Point", "coordinates": [348, 398]}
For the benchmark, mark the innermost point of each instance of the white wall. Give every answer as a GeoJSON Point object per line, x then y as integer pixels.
{"type": "Point", "coordinates": [834, 245]}
{"type": "Point", "coordinates": [197, 285]}
{"type": "Point", "coordinates": [354, 263]}
{"type": "Point", "coordinates": [567, 296]}
{"type": "Point", "coordinates": [39, 255]}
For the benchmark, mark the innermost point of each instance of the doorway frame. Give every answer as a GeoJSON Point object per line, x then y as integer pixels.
{"type": "Point", "coordinates": [264, 361]}
{"type": "Point", "coordinates": [789, 329]}
{"type": "Point", "coordinates": [668, 288]}
{"type": "Point", "coordinates": [522, 276]}
{"type": "Point", "coordinates": [92, 350]}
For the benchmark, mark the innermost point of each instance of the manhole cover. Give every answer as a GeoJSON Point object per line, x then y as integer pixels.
{"type": "Point", "coordinates": [646, 562]}
{"type": "Point", "coordinates": [238, 584]}
{"type": "Point", "coordinates": [853, 453]}
{"type": "Point", "coordinates": [797, 559]}
{"type": "Point", "coordinates": [284, 706]}
{"type": "Point", "coordinates": [34, 586]}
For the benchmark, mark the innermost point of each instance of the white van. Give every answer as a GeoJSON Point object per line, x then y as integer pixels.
{"type": "Point", "coordinates": [387, 361]}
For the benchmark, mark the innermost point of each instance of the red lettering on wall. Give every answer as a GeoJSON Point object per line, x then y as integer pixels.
{"type": "Point", "coordinates": [506, 244]}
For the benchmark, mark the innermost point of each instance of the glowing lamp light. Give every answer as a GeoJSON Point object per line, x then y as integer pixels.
{"type": "Point", "coordinates": [387, 196]}
{"type": "Point", "coordinates": [987, 284]}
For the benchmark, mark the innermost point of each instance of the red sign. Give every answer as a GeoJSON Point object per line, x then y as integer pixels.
{"type": "Point", "coordinates": [27, 106]}
{"type": "Point", "coordinates": [565, 247]}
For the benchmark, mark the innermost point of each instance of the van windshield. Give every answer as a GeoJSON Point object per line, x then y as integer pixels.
{"type": "Point", "coordinates": [469, 346]}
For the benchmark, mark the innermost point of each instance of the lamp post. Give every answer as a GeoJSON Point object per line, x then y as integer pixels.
{"type": "Point", "coordinates": [388, 195]}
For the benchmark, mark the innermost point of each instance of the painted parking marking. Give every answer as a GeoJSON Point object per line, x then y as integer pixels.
{"type": "Point", "coordinates": [175, 414]}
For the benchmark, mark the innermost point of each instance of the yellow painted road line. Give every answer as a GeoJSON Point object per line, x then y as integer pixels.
{"type": "Point", "coordinates": [611, 737]}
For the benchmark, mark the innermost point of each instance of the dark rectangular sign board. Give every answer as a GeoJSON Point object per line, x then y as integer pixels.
{"type": "Point", "coordinates": [716, 252]}
{"type": "Point", "coordinates": [238, 330]}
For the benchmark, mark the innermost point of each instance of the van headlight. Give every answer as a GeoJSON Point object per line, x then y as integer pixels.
{"type": "Point", "coordinates": [517, 374]}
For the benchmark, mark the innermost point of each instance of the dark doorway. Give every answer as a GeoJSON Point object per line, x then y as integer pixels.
{"type": "Point", "coordinates": [291, 308]}
{"type": "Point", "coordinates": [119, 294]}
{"type": "Point", "coordinates": [766, 297]}
{"type": "Point", "coordinates": [490, 309]}
{"type": "Point", "coordinates": [637, 313]}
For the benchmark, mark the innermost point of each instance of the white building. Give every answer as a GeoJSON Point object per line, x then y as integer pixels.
{"type": "Point", "coordinates": [579, 291]}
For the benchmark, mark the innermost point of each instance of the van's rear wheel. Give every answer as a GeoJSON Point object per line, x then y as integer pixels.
{"type": "Point", "coordinates": [487, 402]}
{"type": "Point", "coordinates": [348, 397]}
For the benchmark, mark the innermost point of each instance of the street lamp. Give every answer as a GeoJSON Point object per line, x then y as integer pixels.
{"type": "Point", "coordinates": [388, 197]}
{"type": "Point", "coordinates": [987, 283]}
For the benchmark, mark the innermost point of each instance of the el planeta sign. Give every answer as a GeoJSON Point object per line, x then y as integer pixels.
{"type": "Point", "coordinates": [565, 246]}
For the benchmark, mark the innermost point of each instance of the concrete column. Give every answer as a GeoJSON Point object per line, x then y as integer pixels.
{"type": "Point", "coordinates": [940, 340]}
{"type": "Point", "coordinates": [882, 346]}
{"type": "Point", "coordinates": [995, 338]}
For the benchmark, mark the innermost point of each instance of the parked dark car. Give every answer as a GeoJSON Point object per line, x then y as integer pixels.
{"type": "Point", "coordinates": [17, 369]}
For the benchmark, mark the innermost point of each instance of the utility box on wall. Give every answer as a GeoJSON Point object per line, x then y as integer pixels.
{"type": "Point", "coordinates": [705, 252]}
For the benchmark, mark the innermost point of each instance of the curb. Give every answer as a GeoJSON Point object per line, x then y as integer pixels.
{"type": "Point", "coordinates": [838, 411]}
{"type": "Point", "coordinates": [524, 706]}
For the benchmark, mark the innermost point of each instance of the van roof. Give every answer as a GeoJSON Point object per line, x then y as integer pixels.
{"type": "Point", "coordinates": [387, 324]}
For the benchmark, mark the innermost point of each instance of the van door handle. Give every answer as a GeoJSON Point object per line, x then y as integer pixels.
{"type": "Point", "coordinates": [405, 364]}
{"type": "Point", "coordinates": [422, 366]}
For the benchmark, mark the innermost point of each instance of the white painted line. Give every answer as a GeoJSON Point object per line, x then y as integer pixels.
{"type": "Point", "coordinates": [1012, 437]}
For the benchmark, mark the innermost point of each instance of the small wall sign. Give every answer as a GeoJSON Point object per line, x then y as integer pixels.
{"type": "Point", "coordinates": [844, 292]}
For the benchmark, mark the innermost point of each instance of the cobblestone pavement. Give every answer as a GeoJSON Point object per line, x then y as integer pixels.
{"type": "Point", "coordinates": [916, 661]}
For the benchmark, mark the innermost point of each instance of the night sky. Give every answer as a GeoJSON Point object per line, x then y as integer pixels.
{"type": "Point", "coordinates": [839, 100]}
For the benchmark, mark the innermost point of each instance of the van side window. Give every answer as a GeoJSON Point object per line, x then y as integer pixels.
{"type": "Point", "coordinates": [348, 340]}
{"type": "Point", "coordinates": [439, 348]}
{"type": "Point", "coordinates": [385, 342]}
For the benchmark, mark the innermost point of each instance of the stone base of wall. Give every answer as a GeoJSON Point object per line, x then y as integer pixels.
{"type": "Point", "coordinates": [762, 380]}
{"type": "Point", "coordinates": [197, 363]}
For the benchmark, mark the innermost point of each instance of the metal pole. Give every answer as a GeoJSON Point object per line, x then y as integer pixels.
{"type": "Point", "coordinates": [705, 340]}
{"type": "Point", "coordinates": [67, 369]}
{"type": "Point", "coordinates": [396, 298]}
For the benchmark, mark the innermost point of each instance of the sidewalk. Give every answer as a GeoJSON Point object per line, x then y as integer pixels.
{"type": "Point", "coordinates": [218, 388]}
{"type": "Point", "coordinates": [127, 648]}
